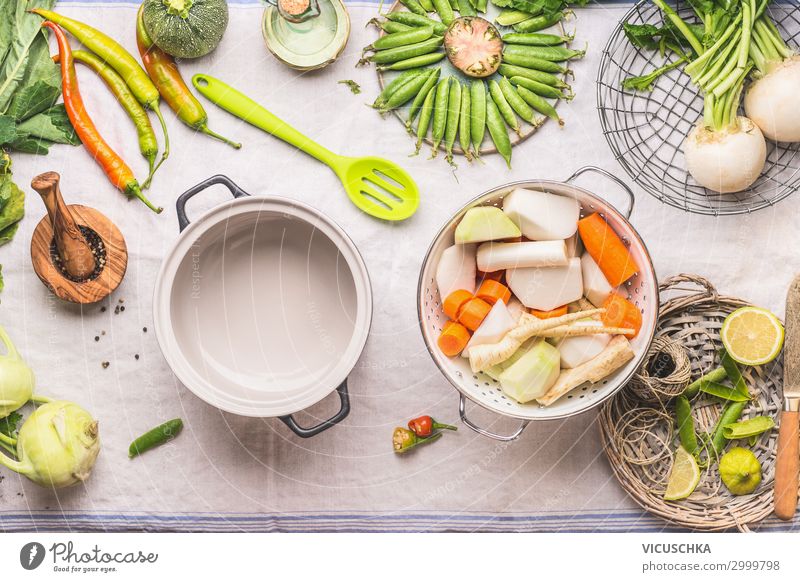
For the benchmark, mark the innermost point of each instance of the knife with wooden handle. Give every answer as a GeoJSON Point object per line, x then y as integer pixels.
{"type": "Point", "coordinates": [787, 466]}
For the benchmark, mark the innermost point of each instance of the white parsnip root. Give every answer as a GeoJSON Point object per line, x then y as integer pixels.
{"type": "Point", "coordinates": [616, 354]}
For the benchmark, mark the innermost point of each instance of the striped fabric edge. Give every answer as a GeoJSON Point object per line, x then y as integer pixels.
{"type": "Point", "coordinates": [599, 521]}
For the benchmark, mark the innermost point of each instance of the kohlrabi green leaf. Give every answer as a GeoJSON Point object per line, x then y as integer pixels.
{"type": "Point", "coordinates": [10, 424]}
{"type": "Point", "coordinates": [8, 129]}
{"type": "Point", "coordinates": [52, 125]}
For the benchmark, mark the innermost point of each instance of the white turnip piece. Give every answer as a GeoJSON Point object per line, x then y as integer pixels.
{"type": "Point", "coordinates": [726, 160]}
{"type": "Point", "coordinates": [771, 102]}
{"type": "Point", "coordinates": [456, 270]}
{"type": "Point", "coordinates": [596, 287]}
{"type": "Point", "coordinates": [576, 350]}
{"type": "Point", "coordinates": [497, 323]}
{"type": "Point", "coordinates": [484, 223]}
{"type": "Point", "coordinates": [545, 288]}
{"type": "Point", "coordinates": [493, 256]}
{"type": "Point", "coordinates": [542, 215]}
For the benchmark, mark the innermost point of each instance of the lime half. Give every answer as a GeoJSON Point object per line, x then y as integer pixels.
{"type": "Point", "coordinates": [740, 470]}
{"type": "Point", "coordinates": [752, 336]}
{"type": "Point", "coordinates": [684, 476]}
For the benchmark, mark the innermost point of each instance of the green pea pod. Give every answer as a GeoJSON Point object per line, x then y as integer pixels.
{"type": "Point", "coordinates": [539, 104]}
{"type": "Point", "coordinates": [453, 118]}
{"type": "Point", "coordinates": [465, 121]}
{"type": "Point", "coordinates": [411, 19]}
{"type": "Point", "coordinates": [511, 57]}
{"type": "Point", "coordinates": [538, 23]}
{"type": "Point", "coordinates": [502, 105]}
{"type": "Point", "coordinates": [440, 106]}
{"type": "Point", "coordinates": [414, 6]}
{"type": "Point", "coordinates": [685, 424]}
{"type": "Point", "coordinates": [477, 114]}
{"type": "Point", "coordinates": [424, 120]}
{"type": "Point", "coordinates": [394, 85]}
{"type": "Point", "coordinates": [390, 27]}
{"type": "Point", "coordinates": [511, 17]}
{"type": "Point", "coordinates": [398, 39]}
{"type": "Point", "coordinates": [497, 131]}
{"type": "Point", "coordinates": [732, 370]}
{"type": "Point", "coordinates": [535, 39]}
{"type": "Point", "coordinates": [730, 414]}
{"type": "Point", "coordinates": [540, 76]}
{"type": "Point", "coordinates": [547, 53]}
{"type": "Point", "coordinates": [161, 434]}
{"type": "Point", "coordinates": [413, 62]}
{"type": "Point", "coordinates": [752, 427]}
{"type": "Point", "coordinates": [539, 88]}
{"type": "Point", "coordinates": [430, 83]}
{"type": "Point", "coordinates": [516, 102]}
{"type": "Point", "coordinates": [401, 53]}
{"type": "Point", "coordinates": [427, 5]}
{"type": "Point", "coordinates": [723, 391]}
{"type": "Point", "coordinates": [715, 375]}
{"type": "Point", "coordinates": [405, 93]}
{"type": "Point", "coordinates": [465, 8]}
{"type": "Point", "coordinates": [444, 10]}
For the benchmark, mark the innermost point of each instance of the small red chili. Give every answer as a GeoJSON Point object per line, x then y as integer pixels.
{"type": "Point", "coordinates": [424, 426]}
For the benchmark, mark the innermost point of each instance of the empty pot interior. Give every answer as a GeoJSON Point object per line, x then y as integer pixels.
{"type": "Point", "coordinates": [263, 302]}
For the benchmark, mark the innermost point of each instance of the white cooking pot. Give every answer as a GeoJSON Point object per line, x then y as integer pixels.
{"type": "Point", "coordinates": [262, 306]}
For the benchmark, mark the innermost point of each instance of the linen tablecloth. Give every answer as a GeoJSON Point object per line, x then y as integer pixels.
{"type": "Point", "coordinates": [230, 473]}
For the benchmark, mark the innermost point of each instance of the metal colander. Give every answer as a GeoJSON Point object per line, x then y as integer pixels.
{"type": "Point", "coordinates": [642, 290]}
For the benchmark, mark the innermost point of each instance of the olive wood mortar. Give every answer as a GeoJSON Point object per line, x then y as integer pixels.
{"type": "Point", "coordinates": [80, 278]}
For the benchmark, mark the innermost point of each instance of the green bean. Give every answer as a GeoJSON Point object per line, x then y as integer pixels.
{"type": "Point", "coordinates": [556, 54]}
{"type": "Point", "coordinates": [430, 83]}
{"type": "Point", "coordinates": [539, 104]}
{"type": "Point", "coordinates": [444, 10]}
{"type": "Point", "coordinates": [477, 114]}
{"type": "Point", "coordinates": [729, 415]}
{"type": "Point", "coordinates": [424, 120]}
{"type": "Point", "coordinates": [440, 106]}
{"type": "Point", "coordinates": [535, 39]}
{"type": "Point", "coordinates": [516, 102]}
{"type": "Point", "coordinates": [723, 391]}
{"type": "Point", "coordinates": [464, 121]}
{"type": "Point", "coordinates": [715, 375]}
{"type": "Point", "coordinates": [685, 424]}
{"type": "Point", "coordinates": [414, 6]}
{"type": "Point", "coordinates": [413, 62]}
{"type": "Point", "coordinates": [395, 84]}
{"type": "Point", "coordinates": [540, 88]}
{"type": "Point", "coordinates": [510, 17]}
{"type": "Point", "coordinates": [538, 23]}
{"type": "Point", "coordinates": [480, 5]}
{"type": "Point", "coordinates": [751, 427]}
{"type": "Point", "coordinates": [427, 5]}
{"type": "Point", "coordinates": [161, 434]}
{"type": "Point", "coordinates": [411, 19]}
{"type": "Point", "coordinates": [497, 131]}
{"type": "Point", "coordinates": [399, 39]}
{"type": "Point", "coordinates": [465, 8]}
{"type": "Point", "coordinates": [405, 93]}
{"type": "Point", "coordinates": [453, 118]}
{"type": "Point", "coordinates": [502, 105]}
{"type": "Point", "coordinates": [516, 59]}
{"type": "Point", "coordinates": [540, 76]}
{"type": "Point", "coordinates": [401, 53]}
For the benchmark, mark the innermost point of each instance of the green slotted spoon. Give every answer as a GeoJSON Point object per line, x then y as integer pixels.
{"type": "Point", "coordinates": [378, 187]}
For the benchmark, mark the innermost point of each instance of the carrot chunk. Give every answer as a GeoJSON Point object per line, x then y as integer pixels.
{"type": "Point", "coordinates": [473, 313]}
{"type": "Point", "coordinates": [453, 339]}
{"type": "Point", "coordinates": [607, 249]}
{"type": "Point", "coordinates": [557, 312]}
{"type": "Point", "coordinates": [493, 291]}
{"type": "Point", "coordinates": [619, 312]}
{"type": "Point", "coordinates": [453, 302]}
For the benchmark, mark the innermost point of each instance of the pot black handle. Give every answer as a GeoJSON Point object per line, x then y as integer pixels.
{"type": "Point", "coordinates": [344, 410]}
{"type": "Point", "coordinates": [180, 205]}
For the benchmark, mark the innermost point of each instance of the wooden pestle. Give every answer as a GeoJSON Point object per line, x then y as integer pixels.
{"type": "Point", "coordinates": [74, 250]}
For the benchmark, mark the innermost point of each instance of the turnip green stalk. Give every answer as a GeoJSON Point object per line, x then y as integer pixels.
{"type": "Point", "coordinates": [16, 378]}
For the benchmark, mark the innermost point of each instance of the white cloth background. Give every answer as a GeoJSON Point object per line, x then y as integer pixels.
{"type": "Point", "coordinates": [224, 469]}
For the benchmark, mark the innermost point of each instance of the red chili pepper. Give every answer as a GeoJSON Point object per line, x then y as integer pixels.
{"type": "Point", "coordinates": [425, 425]}
{"type": "Point", "coordinates": [118, 172]}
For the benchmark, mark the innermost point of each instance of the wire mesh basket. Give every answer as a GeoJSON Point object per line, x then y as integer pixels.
{"type": "Point", "coordinates": [645, 130]}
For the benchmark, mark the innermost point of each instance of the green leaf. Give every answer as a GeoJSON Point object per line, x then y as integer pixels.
{"type": "Point", "coordinates": [6, 235]}
{"type": "Point", "coordinates": [31, 145]}
{"type": "Point", "coordinates": [9, 424]}
{"type": "Point", "coordinates": [40, 86]}
{"type": "Point", "coordinates": [8, 129]}
{"type": "Point", "coordinates": [52, 125]}
{"type": "Point", "coordinates": [13, 202]}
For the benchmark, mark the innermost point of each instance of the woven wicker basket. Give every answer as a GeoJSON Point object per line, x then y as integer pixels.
{"type": "Point", "coordinates": [639, 438]}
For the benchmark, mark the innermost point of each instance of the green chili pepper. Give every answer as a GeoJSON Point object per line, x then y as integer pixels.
{"type": "Point", "coordinates": [413, 62]}
{"type": "Point", "coordinates": [732, 371]}
{"type": "Point", "coordinates": [440, 108]}
{"type": "Point", "coordinates": [477, 114]}
{"type": "Point", "coordinates": [401, 53]}
{"type": "Point", "coordinates": [539, 88]}
{"type": "Point", "coordinates": [539, 104]}
{"type": "Point", "coordinates": [722, 391]}
{"type": "Point", "coordinates": [685, 424]}
{"type": "Point", "coordinates": [453, 118]}
{"type": "Point", "coordinates": [497, 131]}
{"type": "Point", "coordinates": [398, 39]}
{"type": "Point", "coordinates": [411, 19]}
{"type": "Point", "coordinates": [424, 120]}
{"type": "Point", "coordinates": [404, 439]}
{"type": "Point", "coordinates": [161, 434]}
{"type": "Point", "coordinates": [464, 122]}
{"type": "Point", "coordinates": [715, 375]}
{"type": "Point", "coordinates": [730, 414]}
{"type": "Point", "coordinates": [502, 105]}
{"type": "Point", "coordinates": [465, 8]}
{"type": "Point", "coordinates": [540, 76]}
{"type": "Point", "coordinates": [511, 57]}
{"type": "Point", "coordinates": [405, 93]}
{"type": "Point", "coordinates": [414, 6]}
{"type": "Point", "coordinates": [538, 23]}
{"type": "Point", "coordinates": [444, 10]}
{"type": "Point", "coordinates": [395, 84]}
{"type": "Point", "coordinates": [516, 102]}
{"type": "Point", "coordinates": [752, 427]}
{"type": "Point", "coordinates": [535, 39]}
{"type": "Point", "coordinates": [430, 83]}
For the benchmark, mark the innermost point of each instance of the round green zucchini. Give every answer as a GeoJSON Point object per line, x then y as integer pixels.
{"type": "Point", "coordinates": [186, 29]}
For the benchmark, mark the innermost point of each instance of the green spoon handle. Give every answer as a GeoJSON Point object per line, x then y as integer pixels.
{"type": "Point", "coordinates": [244, 108]}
